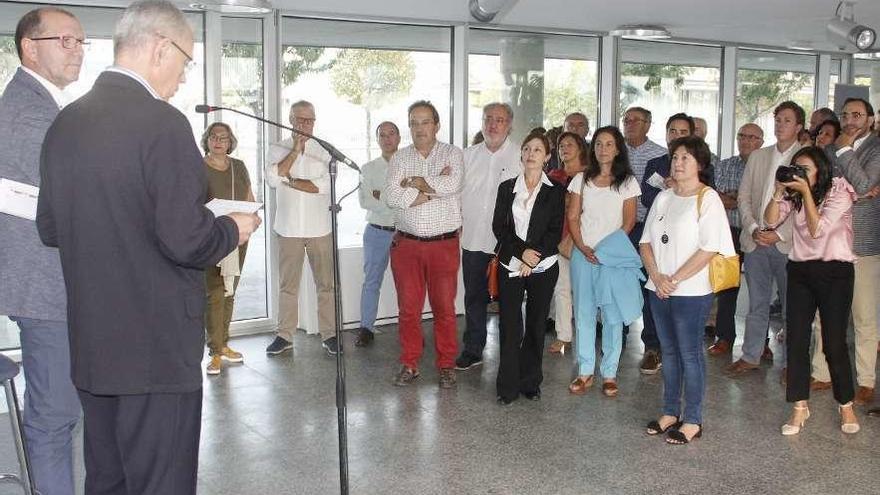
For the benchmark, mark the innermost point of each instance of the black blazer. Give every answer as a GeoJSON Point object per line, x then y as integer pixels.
{"type": "Point", "coordinates": [122, 197]}
{"type": "Point", "coordinates": [545, 225]}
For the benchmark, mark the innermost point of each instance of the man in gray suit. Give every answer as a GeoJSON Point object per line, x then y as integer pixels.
{"type": "Point", "coordinates": [856, 156]}
{"type": "Point", "coordinates": [49, 43]}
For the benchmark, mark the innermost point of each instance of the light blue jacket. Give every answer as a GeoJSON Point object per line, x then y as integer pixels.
{"type": "Point", "coordinates": [617, 284]}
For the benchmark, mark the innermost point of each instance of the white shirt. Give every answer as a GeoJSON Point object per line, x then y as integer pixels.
{"type": "Point", "coordinates": [134, 75]}
{"type": "Point", "coordinates": [373, 179]}
{"type": "Point", "coordinates": [523, 204]}
{"type": "Point", "coordinates": [483, 172]}
{"type": "Point", "coordinates": [298, 213]}
{"type": "Point", "coordinates": [856, 144]}
{"type": "Point", "coordinates": [442, 170]}
{"type": "Point", "coordinates": [602, 207]}
{"type": "Point", "coordinates": [676, 217]}
{"type": "Point", "coordinates": [61, 98]}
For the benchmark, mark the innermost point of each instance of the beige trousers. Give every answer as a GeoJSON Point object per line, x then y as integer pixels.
{"type": "Point", "coordinates": [562, 300]}
{"type": "Point", "coordinates": [292, 251]}
{"type": "Point", "coordinates": [864, 313]}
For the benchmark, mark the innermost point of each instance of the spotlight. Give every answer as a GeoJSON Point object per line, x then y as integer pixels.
{"type": "Point", "coordinates": [240, 7]}
{"type": "Point", "coordinates": [843, 26]}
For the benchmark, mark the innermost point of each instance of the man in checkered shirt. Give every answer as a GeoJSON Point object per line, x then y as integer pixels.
{"type": "Point", "coordinates": [423, 187]}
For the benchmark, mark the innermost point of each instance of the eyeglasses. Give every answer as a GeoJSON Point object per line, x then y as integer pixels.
{"type": "Point", "coordinates": [68, 42]}
{"type": "Point", "coordinates": [494, 120]}
{"type": "Point", "coordinates": [851, 116]}
{"type": "Point", "coordinates": [631, 121]}
{"type": "Point", "coordinates": [190, 63]}
{"type": "Point", "coordinates": [304, 120]}
{"type": "Point", "coordinates": [748, 136]}
{"type": "Point", "coordinates": [218, 139]}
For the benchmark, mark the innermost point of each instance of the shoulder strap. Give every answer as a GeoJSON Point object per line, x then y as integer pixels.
{"type": "Point", "coordinates": [700, 200]}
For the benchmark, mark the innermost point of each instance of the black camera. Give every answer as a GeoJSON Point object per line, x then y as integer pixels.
{"type": "Point", "coordinates": [787, 173]}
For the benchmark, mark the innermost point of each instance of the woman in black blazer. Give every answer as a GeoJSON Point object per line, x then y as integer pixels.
{"type": "Point", "coordinates": [528, 221]}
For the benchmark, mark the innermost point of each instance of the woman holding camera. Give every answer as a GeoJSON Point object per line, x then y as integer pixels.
{"type": "Point", "coordinates": [820, 275]}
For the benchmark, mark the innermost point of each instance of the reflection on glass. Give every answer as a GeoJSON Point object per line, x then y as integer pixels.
{"type": "Point", "coordinates": [241, 80]}
{"type": "Point", "coordinates": [543, 77]}
{"type": "Point", "coordinates": [669, 89]}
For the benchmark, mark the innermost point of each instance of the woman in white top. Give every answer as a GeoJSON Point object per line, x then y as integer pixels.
{"type": "Point", "coordinates": [528, 225]}
{"type": "Point", "coordinates": [603, 200]}
{"type": "Point", "coordinates": [677, 245]}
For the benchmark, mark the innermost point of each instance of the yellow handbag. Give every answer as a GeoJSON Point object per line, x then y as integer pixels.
{"type": "Point", "coordinates": [724, 272]}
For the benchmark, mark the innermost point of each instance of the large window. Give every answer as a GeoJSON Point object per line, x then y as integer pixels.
{"type": "Point", "coordinates": [867, 73]}
{"type": "Point", "coordinates": [241, 81]}
{"type": "Point", "coordinates": [358, 75]}
{"type": "Point", "coordinates": [543, 77]}
{"type": "Point", "coordinates": [764, 79]}
{"type": "Point", "coordinates": [98, 24]}
{"type": "Point", "coordinates": [667, 78]}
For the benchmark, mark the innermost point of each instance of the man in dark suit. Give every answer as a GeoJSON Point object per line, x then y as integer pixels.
{"type": "Point", "coordinates": [123, 188]}
{"type": "Point", "coordinates": [49, 43]}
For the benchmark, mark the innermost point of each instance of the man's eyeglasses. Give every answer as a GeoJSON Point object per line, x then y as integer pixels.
{"type": "Point", "coordinates": [190, 63]}
{"type": "Point", "coordinates": [632, 121]}
{"type": "Point", "coordinates": [751, 137]}
{"type": "Point", "coordinates": [851, 116]}
{"type": "Point", "coordinates": [68, 42]}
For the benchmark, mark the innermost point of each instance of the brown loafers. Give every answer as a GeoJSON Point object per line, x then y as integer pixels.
{"type": "Point", "coordinates": [609, 389]}
{"type": "Point", "coordinates": [580, 385]}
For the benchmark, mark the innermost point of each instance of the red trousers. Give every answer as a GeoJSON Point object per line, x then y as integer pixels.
{"type": "Point", "coordinates": [417, 266]}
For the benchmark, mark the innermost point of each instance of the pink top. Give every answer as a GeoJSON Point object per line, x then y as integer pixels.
{"type": "Point", "coordinates": [834, 237]}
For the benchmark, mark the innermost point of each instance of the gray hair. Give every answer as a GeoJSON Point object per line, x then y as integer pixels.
{"type": "Point", "coordinates": [497, 104]}
{"type": "Point", "coordinates": [301, 104]}
{"type": "Point", "coordinates": [145, 19]}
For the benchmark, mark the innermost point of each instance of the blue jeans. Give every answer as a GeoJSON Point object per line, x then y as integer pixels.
{"type": "Point", "coordinates": [585, 322]}
{"type": "Point", "coordinates": [680, 321]}
{"type": "Point", "coordinates": [51, 404]}
{"type": "Point", "coordinates": [474, 265]}
{"type": "Point", "coordinates": [377, 250]}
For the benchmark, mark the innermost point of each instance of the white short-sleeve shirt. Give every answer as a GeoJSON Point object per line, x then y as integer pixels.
{"type": "Point", "coordinates": [602, 207]}
{"type": "Point", "coordinates": [676, 218]}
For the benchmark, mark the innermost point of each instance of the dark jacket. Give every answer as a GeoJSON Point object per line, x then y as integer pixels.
{"type": "Point", "coordinates": [545, 225]}
{"type": "Point", "coordinates": [122, 197]}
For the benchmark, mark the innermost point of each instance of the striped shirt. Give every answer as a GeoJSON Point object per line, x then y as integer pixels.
{"type": "Point", "coordinates": [638, 160]}
{"type": "Point", "coordinates": [443, 171]}
{"type": "Point", "coordinates": [728, 175]}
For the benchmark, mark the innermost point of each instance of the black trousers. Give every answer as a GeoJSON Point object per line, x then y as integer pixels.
{"type": "Point", "coordinates": [725, 320]}
{"type": "Point", "coordinates": [141, 444]}
{"type": "Point", "coordinates": [522, 347]}
{"type": "Point", "coordinates": [828, 286]}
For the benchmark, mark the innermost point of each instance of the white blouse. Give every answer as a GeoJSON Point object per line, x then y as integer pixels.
{"type": "Point", "coordinates": [676, 231]}
{"type": "Point", "coordinates": [523, 204]}
{"type": "Point", "coordinates": [602, 207]}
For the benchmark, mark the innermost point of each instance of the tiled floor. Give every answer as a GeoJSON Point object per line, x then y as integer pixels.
{"type": "Point", "coordinates": [269, 427]}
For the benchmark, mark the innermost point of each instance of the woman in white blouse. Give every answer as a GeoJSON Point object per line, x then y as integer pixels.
{"type": "Point", "coordinates": [528, 225]}
{"type": "Point", "coordinates": [603, 201]}
{"type": "Point", "coordinates": [677, 245]}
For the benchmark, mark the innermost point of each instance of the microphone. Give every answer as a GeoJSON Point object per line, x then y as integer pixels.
{"type": "Point", "coordinates": [335, 153]}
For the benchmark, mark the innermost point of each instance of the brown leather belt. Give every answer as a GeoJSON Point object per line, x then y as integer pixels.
{"type": "Point", "coordinates": [441, 237]}
{"type": "Point", "coordinates": [382, 227]}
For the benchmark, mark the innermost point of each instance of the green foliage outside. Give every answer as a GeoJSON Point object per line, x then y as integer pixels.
{"type": "Point", "coordinates": [372, 79]}
{"type": "Point", "coordinates": [760, 91]}
{"type": "Point", "coordinates": [563, 96]}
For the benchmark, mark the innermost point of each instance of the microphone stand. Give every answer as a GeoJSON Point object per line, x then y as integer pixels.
{"type": "Point", "coordinates": [341, 401]}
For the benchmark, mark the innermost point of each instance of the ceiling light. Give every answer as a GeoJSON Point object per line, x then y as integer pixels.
{"type": "Point", "coordinates": [641, 31]}
{"type": "Point", "coordinates": [239, 7]}
{"type": "Point", "coordinates": [844, 27]}
{"type": "Point", "coordinates": [802, 45]}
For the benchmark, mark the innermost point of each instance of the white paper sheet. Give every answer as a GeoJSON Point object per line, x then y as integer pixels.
{"type": "Point", "coordinates": [221, 207]}
{"type": "Point", "coordinates": [18, 199]}
{"type": "Point", "coordinates": [656, 180]}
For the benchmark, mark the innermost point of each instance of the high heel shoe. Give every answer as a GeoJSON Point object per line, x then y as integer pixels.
{"type": "Point", "coordinates": [848, 428]}
{"type": "Point", "coordinates": [789, 429]}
